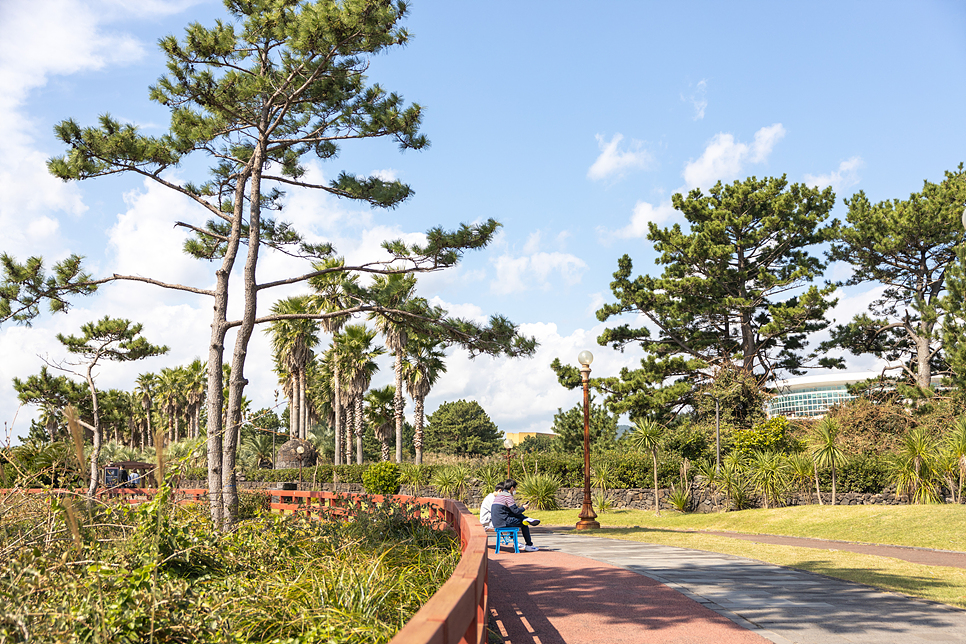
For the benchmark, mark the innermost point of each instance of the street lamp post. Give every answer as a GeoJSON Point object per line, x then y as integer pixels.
{"type": "Point", "coordinates": [508, 445]}
{"type": "Point", "coordinates": [587, 515]}
{"type": "Point", "coordinates": [717, 431]}
{"type": "Point", "coordinates": [300, 450]}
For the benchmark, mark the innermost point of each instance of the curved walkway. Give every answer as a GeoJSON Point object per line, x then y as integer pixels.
{"type": "Point", "coordinates": [578, 589]}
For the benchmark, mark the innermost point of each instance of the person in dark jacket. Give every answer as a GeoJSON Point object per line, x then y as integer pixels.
{"type": "Point", "coordinates": [505, 513]}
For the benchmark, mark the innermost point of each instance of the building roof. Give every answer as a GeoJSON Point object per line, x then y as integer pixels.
{"type": "Point", "coordinates": [825, 380]}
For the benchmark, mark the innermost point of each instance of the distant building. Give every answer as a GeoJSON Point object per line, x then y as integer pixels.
{"type": "Point", "coordinates": [519, 437]}
{"type": "Point", "coordinates": [811, 396]}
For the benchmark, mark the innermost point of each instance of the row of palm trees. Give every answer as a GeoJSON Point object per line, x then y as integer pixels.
{"type": "Point", "coordinates": [331, 386]}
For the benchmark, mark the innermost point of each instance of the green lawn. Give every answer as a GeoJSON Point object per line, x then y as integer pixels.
{"type": "Point", "coordinates": [926, 526]}
{"type": "Point", "coordinates": [937, 526]}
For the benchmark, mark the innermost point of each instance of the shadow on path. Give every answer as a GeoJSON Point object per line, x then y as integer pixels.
{"type": "Point", "coordinates": [551, 597]}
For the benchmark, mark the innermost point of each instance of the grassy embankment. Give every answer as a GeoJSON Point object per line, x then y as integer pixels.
{"type": "Point", "coordinates": [928, 526]}
{"type": "Point", "coordinates": [72, 572]}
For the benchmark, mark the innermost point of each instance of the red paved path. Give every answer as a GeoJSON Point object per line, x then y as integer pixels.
{"type": "Point", "coordinates": [550, 597]}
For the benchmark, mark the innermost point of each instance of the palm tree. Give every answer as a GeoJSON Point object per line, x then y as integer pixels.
{"type": "Point", "coordinates": [145, 389]}
{"type": "Point", "coordinates": [647, 436]}
{"type": "Point", "coordinates": [394, 291]}
{"type": "Point", "coordinates": [195, 383]}
{"type": "Point", "coordinates": [956, 447]}
{"type": "Point", "coordinates": [292, 343]}
{"type": "Point", "coordinates": [914, 467]}
{"type": "Point", "coordinates": [800, 472]}
{"type": "Point", "coordinates": [825, 449]}
{"type": "Point", "coordinates": [422, 368]}
{"type": "Point", "coordinates": [357, 355]}
{"type": "Point", "coordinates": [770, 476]}
{"type": "Point", "coordinates": [380, 414]}
{"type": "Point", "coordinates": [332, 294]}
{"type": "Point", "coordinates": [170, 391]}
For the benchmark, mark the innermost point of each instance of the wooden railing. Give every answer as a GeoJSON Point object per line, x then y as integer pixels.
{"type": "Point", "coordinates": [456, 614]}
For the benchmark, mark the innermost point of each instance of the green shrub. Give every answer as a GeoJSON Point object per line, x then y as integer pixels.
{"type": "Point", "coordinates": [381, 478]}
{"type": "Point", "coordinates": [601, 502]}
{"type": "Point", "coordinates": [451, 481]}
{"type": "Point", "coordinates": [680, 498]}
{"type": "Point", "coordinates": [539, 491]}
{"type": "Point", "coordinates": [768, 436]}
{"type": "Point", "coordinates": [865, 473]}
{"type": "Point", "coordinates": [253, 504]}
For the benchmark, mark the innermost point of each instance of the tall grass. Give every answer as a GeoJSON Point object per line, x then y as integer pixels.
{"type": "Point", "coordinates": [160, 573]}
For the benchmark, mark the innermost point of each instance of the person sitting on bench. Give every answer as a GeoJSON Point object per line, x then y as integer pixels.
{"type": "Point", "coordinates": [504, 513]}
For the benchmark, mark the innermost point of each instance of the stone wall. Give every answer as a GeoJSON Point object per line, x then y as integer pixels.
{"type": "Point", "coordinates": [572, 497]}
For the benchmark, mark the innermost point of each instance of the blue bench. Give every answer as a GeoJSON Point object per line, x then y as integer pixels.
{"type": "Point", "coordinates": [506, 536]}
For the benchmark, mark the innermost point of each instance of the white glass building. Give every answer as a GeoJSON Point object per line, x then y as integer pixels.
{"type": "Point", "coordinates": [811, 396]}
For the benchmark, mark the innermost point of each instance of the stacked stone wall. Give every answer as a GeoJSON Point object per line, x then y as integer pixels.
{"type": "Point", "coordinates": [702, 500]}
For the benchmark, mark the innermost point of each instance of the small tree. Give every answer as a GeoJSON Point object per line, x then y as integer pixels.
{"type": "Point", "coordinates": [462, 427]}
{"type": "Point", "coordinates": [108, 339]}
{"type": "Point", "coordinates": [647, 437]}
{"type": "Point", "coordinates": [569, 427]}
{"type": "Point", "coordinates": [825, 449]}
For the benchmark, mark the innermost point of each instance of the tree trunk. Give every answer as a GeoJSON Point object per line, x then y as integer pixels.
{"type": "Point", "coordinates": [833, 482]}
{"type": "Point", "coordinates": [350, 414]}
{"type": "Point", "coordinates": [236, 387]}
{"type": "Point", "coordinates": [818, 490]}
{"type": "Point", "coordinates": [419, 405]}
{"type": "Point", "coordinates": [96, 451]}
{"type": "Point", "coordinates": [303, 407]}
{"type": "Point", "coordinates": [358, 420]}
{"type": "Point", "coordinates": [293, 408]}
{"type": "Point", "coordinates": [216, 352]}
{"type": "Point", "coordinates": [657, 501]}
{"type": "Point", "coordinates": [337, 408]}
{"type": "Point", "coordinates": [399, 404]}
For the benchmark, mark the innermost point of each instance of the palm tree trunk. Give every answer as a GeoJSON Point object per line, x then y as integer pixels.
{"type": "Point", "coordinates": [657, 502]}
{"type": "Point", "coordinates": [818, 490]}
{"type": "Point", "coordinates": [358, 420]}
{"type": "Point", "coordinates": [833, 482]}
{"type": "Point", "coordinates": [399, 403]}
{"type": "Point", "coordinates": [418, 433]}
{"type": "Point", "coordinates": [295, 409]}
{"type": "Point", "coordinates": [303, 407]}
{"type": "Point", "coordinates": [337, 408]}
{"type": "Point", "coordinates": [347, 433]}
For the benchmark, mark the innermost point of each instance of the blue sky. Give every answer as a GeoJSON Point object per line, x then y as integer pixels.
{"type": "Point", "coordinates": [572, 124]}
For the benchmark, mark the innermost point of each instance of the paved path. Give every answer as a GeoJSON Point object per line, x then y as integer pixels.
{"type": "Point", "coordinates": [565, 599]}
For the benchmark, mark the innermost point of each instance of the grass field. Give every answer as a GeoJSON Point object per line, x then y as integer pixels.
{"type": "Point", "coordinates": [934, 526]}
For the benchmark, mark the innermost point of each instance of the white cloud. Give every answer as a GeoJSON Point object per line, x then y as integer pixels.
{"type": "Point", "coordinates": [846, 176]}
{"type": "Point", "coordinates": [698, 99]}
{"type": "Point", "coordinates": [615, 162]}
{"type": "Point", "coordinates": [523, 394]}
{"type": "Point", "coordinates": [643, 214]}
{"type": "Point", "coordinates": [518, 274]}
{"type": "Point", "coordinates": [725, 158]}
{"type": "Point", "coordinates": [145, 242]}
{"type": "Point", "coordinates": [39, 40]}
{"type": "Point", "coordinates": [387, 174]}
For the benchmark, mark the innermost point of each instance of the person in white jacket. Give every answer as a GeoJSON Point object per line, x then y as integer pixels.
{"type": "Point", "coordinates": [486, 507]}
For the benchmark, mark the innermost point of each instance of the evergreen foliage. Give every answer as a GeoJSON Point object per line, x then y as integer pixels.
{"type": "Point", "coordinates": [569, 428]}
{"type": "Point", "coordinates": [738, 288]}
{"type": "Point", "coordinates": [462, 427]}
{"type": "Point", "coordinates": [907, 246]}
